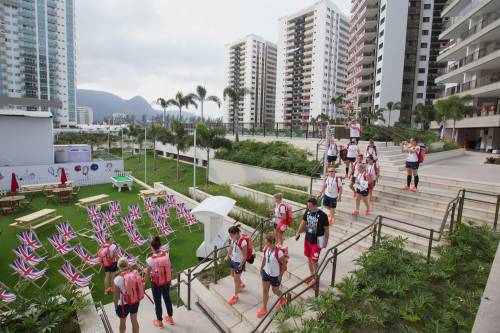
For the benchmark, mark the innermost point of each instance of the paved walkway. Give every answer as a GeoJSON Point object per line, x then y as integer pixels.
{"type": "Point", "coordinates": [469, 167]}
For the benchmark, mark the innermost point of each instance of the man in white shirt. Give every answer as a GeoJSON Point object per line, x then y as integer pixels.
{"type": "Point", "coordinates": [354, 130]}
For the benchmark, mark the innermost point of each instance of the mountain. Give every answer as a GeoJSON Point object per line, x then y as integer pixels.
{"type": "Point", "coordinates": [105, 104]}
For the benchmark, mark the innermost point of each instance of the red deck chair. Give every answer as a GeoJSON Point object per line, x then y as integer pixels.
{"type": "Point", "coordinates": [28, 274]}
{"type": "Point", "coordinates": [75, 278]}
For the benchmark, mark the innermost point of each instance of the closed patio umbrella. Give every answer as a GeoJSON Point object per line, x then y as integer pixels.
{"type": "Point", "coordinates": [14, 185]}
{"type": "Point", "coordinates": [64, 179]}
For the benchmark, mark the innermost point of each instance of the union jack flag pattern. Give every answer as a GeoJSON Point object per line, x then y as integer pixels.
{"type": "Point", "coordinates": [28, 255]}
{"type": "Point", "coordinates": [86, 257]}
{"type": "Point", "coordinates": [29, 239]}
{"type": "Point", "coordinates": [115, 208]}
{"type": "Point", "coordinates": [59, 244]}
{"type": "Point", "coordinates": [131, 260]}
{"type": "Point", "coordinates": [93, 212]}
{"type": "Point", "coordinates": [181, 210]}
{"type": "Point", "coordinates": [98, 225]}
{"type": "Point", "coordinates": [191, 220]}
{"type": "Point", "coordinates": [26, 271]}
{"type": "Point", "coordinates": [136, 237]}
{"type": "Point", "coordinates": [128, 223]}
{"type": "Point", "coordinates": [7, 296]}
{"type": "Point", "coordinates": [149, 204]}
{"type": "Point", "coordinates": [110, 218]}
{"type": "Point", "coordinates": [170, 198]}
{"type": "Point", "coordinates": [66, 231]}
{"type": "Point", "coordinates": [166, 229]}
{"type": "Point", "coordinates": [134, 212]}
{"type": "Point", "coordinates": [73, 276]}
{"type": "Point", "coordinates": [100, 238]}
{"type": "Point", "coordinates": [162, 210]}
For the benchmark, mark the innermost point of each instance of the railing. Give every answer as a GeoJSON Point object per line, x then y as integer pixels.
{"type": "Point", "coordinates": [474, 56]}
{"type": "Point", "coordinates": [104, 317]}
{"type": "Point", "coordinates": [472, 84]}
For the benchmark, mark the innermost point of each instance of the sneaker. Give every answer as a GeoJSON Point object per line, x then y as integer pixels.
{"type": "Point", "coordinates": [281, 303]}
{"type": "Point", "coordinates": [330, 221]}
{"type": "Point", "coordinates": [355, 212]}
{"type": "Point", "coordinates": [413, 189]}
{"type": "Point", "coordinates": [158, 323]}
{"type": "Point", "coordinates": [405, 188]}
{"type": "Point", "coordinates": [367, 212]}
{"type": "Point", "coordinates": [169, 320]}
{"type": "Point", "coordinates": [242, 286]}
{"type": "Point", "coordinates": [107, 291]}
{"type": "Point", "coordinates": [311, 283]}
{"type": "Point", "coordinates": [306, 281]}
{"type": "Point", "coordinates": [262, 311]}
{"type": "Point", "coordinates": [232, 300]}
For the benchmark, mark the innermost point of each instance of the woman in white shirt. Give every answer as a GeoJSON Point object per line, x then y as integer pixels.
{"type": "Point", "coordinates": [352, 153]}
{"type": "Point", "coordinates": [270, 269]}
{"type": "Point", "coordinates": [411, 163]}
{"type": "Point", "coordinates": [238, 253]}
{"type": "Point", "coordinates": [354, 130]}
{"type": "Point", "coordinates": [332, 152]}
{"type": "Point", "coordinates": [371, 150]}
{"type": "Point", "coordinates": [362, 184]}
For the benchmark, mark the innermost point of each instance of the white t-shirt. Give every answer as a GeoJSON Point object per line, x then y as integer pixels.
{"type": "Point", "coordinates": [355, 166]}
{"type": "Point", "coordinates": [355, 130]}
{"type": "Point", "coordinates": [413, 157]}
{"type": "Point", "coordinates": [332, 149]}
{"type": "Point", "coordinates": [371, 170]}
{"type": "Point", "coordinates": [332, 186]}
{"type": "Point", "coordinates": [237, 254]}
{"type": "Point", "coordinates": [279, 210]}
{"type": "Point", "coordinates": [119, 281]}
{"type": "Point", "coordinates": [271, 264]}
{"type": "Point", "coordinates": [371, 151]}
{"type": "Point", "coordinates": [361, 183]}
{"type": "Point", "coordinates": [352, 150]}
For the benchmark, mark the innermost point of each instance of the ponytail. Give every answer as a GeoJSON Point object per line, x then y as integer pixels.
{"type": "Point", "coordinates": [235, 229]}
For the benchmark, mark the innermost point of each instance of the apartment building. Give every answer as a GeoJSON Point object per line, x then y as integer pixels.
{"type": "Point", "coordinates": [393, 50]}
{"type": "Point", "coordinates": [473, 56]}
{"type": "Point", "coordinates": [85, 115]}
{"type": "Point", "coordinates": [37, 51]}
{"type": "Point", "coordinates": [251, 63]}
{"type": "Point", "coordinates": [312, 62]}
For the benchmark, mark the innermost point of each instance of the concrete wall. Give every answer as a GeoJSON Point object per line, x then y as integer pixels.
{"type": "Point", "coordinates": [170, 150]}
{"type": "Point", "coordinates": [444, 155]}
{"type": "Point", "coordinates": [226, 172]}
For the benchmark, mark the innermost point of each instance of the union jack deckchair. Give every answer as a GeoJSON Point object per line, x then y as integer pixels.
{"type": "Point", "coordinates": [149, 205]}
{"type": "Point", "coordinates": [136, 239]}
{"type": "Point", "coordinates": [28, 255]}
{"type": "Point", "coordinates": [132, 261]}
{"type": "Point", "coordinates": [134, 212]}
{"type": "Point", "coordinates": [87, 259]}
{"type": "Point", "coordinates": [191, 221]}
{"type": "Point", "coordinates": [94, 212]}
{"type": "Point", "coordinates": [99, 225]}
{"type": "Point", "coordinates": [181, 211]}
{"type": "Point", "coordinates": [66, 231]}
{"type": "Point", "coordinates": [7, 296]}
{"type": "Point", "coordinates": [110, 218]}
{"type": "Point", "coordinates": [115, 208]}
{"type": "Point", "coordinates": [128, 223]}
{"type": "Point", "coordinates": [60, 246]}
{"type": "Point", "coordinates": [162, 210]}
{"type": "Point", "coordinates": [28, 273]}
{"type": "Point", "coordinates": [170, 199]}
{"type": "Point", "coordinates": [75, 278]}
{"type": "Point", "coordinates": [30, 239]}
{"type": "Point", "coordinates": [100, 238]}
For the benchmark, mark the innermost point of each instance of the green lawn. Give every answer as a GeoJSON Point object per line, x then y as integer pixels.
{"type": "Point", "coordinates": [183, 248]}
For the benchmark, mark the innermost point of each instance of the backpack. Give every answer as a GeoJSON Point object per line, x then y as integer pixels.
{"type": "Point", "coordinates": [283, 267]}
{"type": "Point", "coordinates": [288, 214]}
{"type": "Point", "coordinates": [421, 154]}
{"type": "Point", "coordinates": [162, 274]}
{"type": "Point", "coordinates": [105, 257]}
{"type": "Point", "coordinates": [134, 287]}
{"type": "Point", "coordinates": [339, 183]}
{"type": "Point", "coordinates": [374, 149]}
{"type": "Point", "coordinates": [343, 154]}
{"type": "Point", "coordinates": [250, 256]}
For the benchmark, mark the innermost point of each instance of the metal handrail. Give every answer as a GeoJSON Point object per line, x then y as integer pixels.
{"type": "Point", "coordinates": [104, 318]}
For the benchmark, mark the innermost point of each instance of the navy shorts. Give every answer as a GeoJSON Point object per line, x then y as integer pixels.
{"type": "Point", "coordinates": [354, 138]}
{"type": "Point", "coordinates": [235, 266]}
{"type": "Point", "coordinates": [412, 165]}
{"type": "Point", "coordinates": [123, 311]}
{"type": "Point", "coordinates": [353, 179]}
{"type": "Point", "coordinates": [331, 158]}
{"type": "Point", "coordinates": [329, 202]}
{"type": "Point", "coordinates": [273, 280]}
{"type": "Point", "coordinates": [111, 269]}
{"type": "Point", "coordinates": [363, 193]}
{"type": "Point", "coordinates": [352, 159]}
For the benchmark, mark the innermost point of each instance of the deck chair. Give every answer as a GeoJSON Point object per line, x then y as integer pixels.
{"type": "Point", "coordinates": [162, 210]}
{"type": "Point", "coordinates": [6, 297]}
{"type": "Point", "coordinates": [100, 238]}
{"type": "Point", "coordinates": [31, 240]}
{"type": "Point", "coordinates": [191, 222]}
{"type": "Point", "coordinates": [88, 260]}
{"type": "Point", "coordinates": [136, 240]}
{"type": "Point", "coordinates": [28, 255]}
{"type": "Point", "coordinates": [28, 274]}
{"type": "Point", "coordinates": [115, 208]}
{"type": "Point", "coordinates": [60, 246]}
{"type": "Point", "coordinates": [134, 212]}
{"type": "Point", "coordinates": [110, 218]}
{"type": "Point", "coordinates": [132, 261]}
{"type": "Point", "coordinates": [74, 277]}
{"type": "Point", "coordinates": [170, 200]}
{"type": "Point", "coordinates": [66, 231]}
{"type": "Point", "coordinates": [149, 205]}
{"type": "Point", "coordinates": [93, 212]}
{"type": "Point", "coordinates": [128, 223]}
{"type": "Point", "coordinates": [100, 226]}
{"type": "Point", "coordinates": [181, 212]}
{"type": "Point", "coordinates": [162, 227]}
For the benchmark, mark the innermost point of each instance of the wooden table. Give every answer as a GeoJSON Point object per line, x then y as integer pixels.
{"type": "Point", "coordinates": [13, 198]}
{"type": "Point", "coordinates": [37, 219]}
{"type": "Point", "coordinates": [95, 200]}
{"type": "Point", "coordinates": [61, 189]}
{"type": "Point", "coordinates": [152, 193]}
{"type": "Point", "coordinates": [40, 186]}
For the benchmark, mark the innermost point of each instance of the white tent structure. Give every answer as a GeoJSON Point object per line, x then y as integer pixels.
{"type": "Point", "coordinates": [211, 212]}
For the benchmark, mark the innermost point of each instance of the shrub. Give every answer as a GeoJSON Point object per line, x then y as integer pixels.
{"type": "Point", "coordinates": [397, 134]}
{"type": "Point", "coordinates": [446, 146]}
{"type": "Point", "coordinates": [492, 160]}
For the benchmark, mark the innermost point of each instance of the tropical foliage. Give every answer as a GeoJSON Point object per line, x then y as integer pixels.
{"type": "Point", "coordinates": [398, 134]}
{"type": "Point", "coordinates": [454, 108]}
{"type": "Point", "coordinates": [389, 108]}
{"type": "Point", "coordinates": [180, 138]}
{"type": "Point", "coordinates": [235, 96]}
{"type": "Point", "coordinates": [201, 97]}
{"type": "Point", "coordinates": [180, 101]}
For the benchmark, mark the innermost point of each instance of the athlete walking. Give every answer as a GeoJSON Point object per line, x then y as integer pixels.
{"type": "Point", "coordinates": [411, 163]}
{"type": "Point", "coordinates": [331, 193]}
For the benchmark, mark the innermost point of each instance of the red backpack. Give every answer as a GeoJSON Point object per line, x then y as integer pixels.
{"type": "Point", "coordinates": [339, 182]}
{"type": "Point", "coordinates": [421, 154]}
{"type": "Point", "coordinates": [288, 214]}
{"type": "Point", "coordinates": [134, 287]}
{"type": "Point", "coordinates": [250, 256]}
{"type": "Point", "coordinates": [162, 273]}
{"type": "Point", "coordinates": [284, 250]}
{"type": "Point", "coordinates": [104, 256]}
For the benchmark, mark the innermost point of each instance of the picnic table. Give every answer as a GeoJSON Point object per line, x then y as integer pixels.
{"type": "Point", "coordinates": [13, 198]}
{"type": "Point", "coordinates": [62, 189]}
{"type": "Point", "coordinates": [94, 200]}
{"type": "Point", "coordinates": [10, 204]}
{"type": "Point", "coordinates": [156, 192]}
{"type": "Point", "coordinates": [36, 220]}
{"type": "Point", "coordinates": [40, 186]}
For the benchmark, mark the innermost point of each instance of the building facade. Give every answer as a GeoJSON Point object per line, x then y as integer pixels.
{"type": "Point", "coordinates": [473, 56]}
{"type": "Point", "coordinates": [251, 63]}
{"type": "Point", "coordinates": [85, 115]}
{"type": "Point", "coordinates": [37, 48]}
{"type": "Point", "coordinates": [312, 62]}
{"type": "Point", "coordinates": [394, 45]}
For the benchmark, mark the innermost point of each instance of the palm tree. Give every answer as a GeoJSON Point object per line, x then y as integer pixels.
{"type": "Point", "coordinates": [179, 138]}
{"type": "Point", "coordinates": [134, 131]}
{"type": "Point", "coordinates": [336, 101]}
{"type": "Point", "coordinates": [163, 103]}
{"type": "Point", "coordinates": [455, 108]}
{"type": "Point", "coordinates": [424, 114]}
{"type": "Point", "coordinates": [210, 138]}
{"type": "Point", "coordinates": [155, 132]}
{"type": "Point", "coordinates": [236, 95]}
{"type": "Point", "coordinates": [180, 100]}
{"type": "Point", "coordinates": [389, 107]}
{"type": "Point", "coordinates": [201, 97]}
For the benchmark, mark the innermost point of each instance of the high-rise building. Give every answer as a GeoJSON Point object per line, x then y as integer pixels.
{"type": "Point", "coordinates": [312, 62]}
{"type": "Point", "coordinates": [251, 63]}
{"type": "Point", "coordinates": [393, 49]}
{"type": "Point", "coordinates": [85, 115]}
{"type": "Point", "coordinates": [37, 50]}
{"type": "Point", "coordinates": [473, 56]}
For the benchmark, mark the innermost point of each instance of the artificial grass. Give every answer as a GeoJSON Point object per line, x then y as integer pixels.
{"type": "Point", "coordinates": [182, 249]}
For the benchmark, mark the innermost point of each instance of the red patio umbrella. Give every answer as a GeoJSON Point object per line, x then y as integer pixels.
{"type": "Point", "coordinates": [14, 185]}
{"type": "Point", "coordinates": [64, 179]}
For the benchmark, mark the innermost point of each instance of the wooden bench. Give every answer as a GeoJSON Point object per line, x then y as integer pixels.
{"type": "Point", "coordinates": [95, 200]}
{"type": "Point", "coordinates": [154, 193]}
{"type": "Point", "coordinates": [36, 220]}
{"type": "Point", "coordinates": [49, 221]}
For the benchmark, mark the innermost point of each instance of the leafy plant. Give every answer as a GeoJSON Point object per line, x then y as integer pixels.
{"type": "Point", "coordinates": [492, 160]}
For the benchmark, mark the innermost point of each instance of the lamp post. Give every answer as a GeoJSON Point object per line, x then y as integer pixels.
{"type": "Point", "coordinates": [145, 154]}
{"type": "Point", "coordinates": [122, 143]}
{"type": "Point", "coordinates": [194, 160]}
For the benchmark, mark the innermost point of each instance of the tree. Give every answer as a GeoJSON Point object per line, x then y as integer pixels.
{"type": "Point", "coordinates": [454, 108]}
{"type": "Point", "coordinates": [210, 138]}
{"type": "Point", "coordinates": [180, 100]}
{"type": "Point", "coordinates": [235, 95]}
{"type": "Point", "coordinates": [336, 101]}
{"type": "Point", "coordinates": [389, 107]}
{"type": "Point", "coordinates": [424, 114]}
{"type": "Point", "coordinates": [370, 116]}
{"type": "Point", "coordinates": [134, 131]}
{"type": "Point", "coordinates": [163, 103]}
{"type": "Point", "coordinates": [179, 138]}
{"type": "Point", "coordinates": [155, 132]}
{"type": "Point", "coordinates": [201, 97]}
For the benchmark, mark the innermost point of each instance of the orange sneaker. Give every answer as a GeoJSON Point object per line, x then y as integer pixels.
{"type": "Point", "coordinates": [330, 221]}
{"type": "Point", "coordinates": [242, 286]}
{"type": "Point", "coordinates": [281, 303]}
{"type": "Point", "coordinates": [158, 323]}
{"type": "Point", "coordinates": [169, 320]}
{"type": "Point", "coordinates": [262, 311]}
{"type": "Point", "coordinates": [107, 291]}
{"type": "Point", "coordinates": [233, 300]}
{"type": "Point", "coordinates": [405, 188]}
{"type": "Point", "coordinates": [413, 189]}
{"type": "Point", "coordinates": [367, 212]}
{"type": "Point", "coordinates": [311, 283]}
{"type": "Point", "coordinates": [355, 212]}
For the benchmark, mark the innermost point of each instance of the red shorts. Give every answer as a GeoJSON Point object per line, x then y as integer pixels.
{"type": "Point", "coordinates": [311, 251]}
{"type": "Point", "coordinates": [281, 227]}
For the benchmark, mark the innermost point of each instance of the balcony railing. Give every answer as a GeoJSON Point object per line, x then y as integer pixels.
{"type": "Point", "coordinates": [472, 84]}
{"type": "Point", "coordinates": [476, 55]}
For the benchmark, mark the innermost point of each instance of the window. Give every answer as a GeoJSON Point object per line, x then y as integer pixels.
{"type": "Point", "coordinates": [381, 45]}
{"type": "Point", "coordinates": [382, 20]}
{"type": "Point", "coordinates": [425, 32]}
{"type": "Point", "coordinates": [426, 19]}
{"type": "Point", "coordinates": [427, 6]}
{"type": "Point", "coordinates": [420, 83]}
{"type": "Point", "coordinates": [420, 95]}
{"type": "Point", "coordinates": [378, 83]}
{"type": "Point", "coordinates": [421, 70]}
{"type": "Point", "coordinates": [377, 95]}
{"type": "Point", "coordinates": [379, 70]}
{"type": "Point", "coordinates": [382, 9]}
{"type": "Point", "coordinates": [423, 58]}
{"type": "Point", "coordinates": [423, 45]}
{"type": "Point", "coordinates": [380, 58]}
{"type": "Point", "coordinates": [381, 33]}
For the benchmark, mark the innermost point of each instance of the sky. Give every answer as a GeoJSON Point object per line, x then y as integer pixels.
{"type": "Point", "coordinates": [154, 48]}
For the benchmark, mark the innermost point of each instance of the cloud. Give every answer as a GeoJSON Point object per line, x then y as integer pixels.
{"type": "Point", "coordinates": [155, 48]}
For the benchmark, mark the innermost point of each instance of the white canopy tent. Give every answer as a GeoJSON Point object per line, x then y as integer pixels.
{"type": "Point", "coordinates": [211, 212]}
